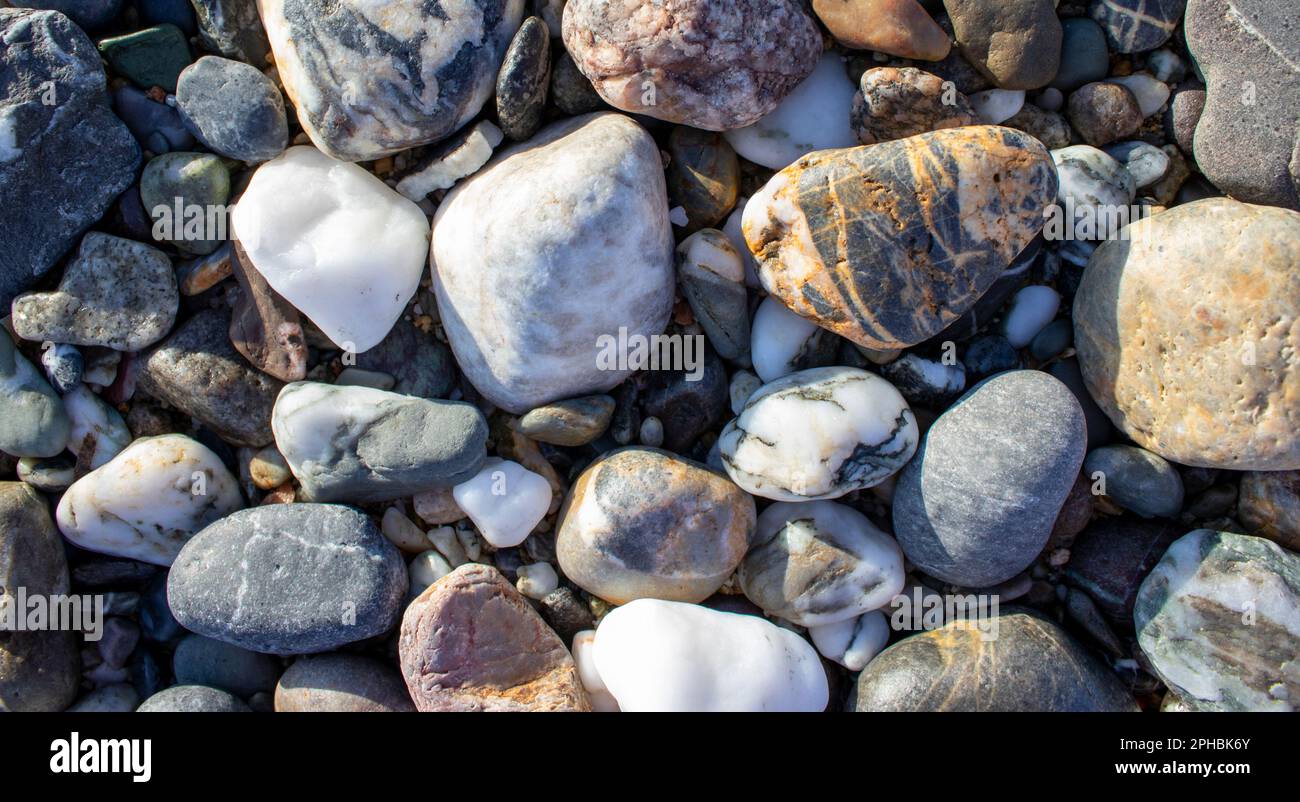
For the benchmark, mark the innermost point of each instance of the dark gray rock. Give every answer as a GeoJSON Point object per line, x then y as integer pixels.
{"type": "Point", "coordinates": [192, 699]}
{"type": "Point", "coordinates": [1110, 558]}
{"type": "Point", "coordinates": [1100, 429]}
{"type": "Point", "coordinates": [989, 355]}
{"type": "Point", "coordinates": [342, 683]}
{"type": "Point", "coordinates": [64, 156]}
{"type": "Point", "coordinates": [523, 80]}
{"type": "Point", "coordinates": [1084, 57]}
{"type": "Point", "coordinates": [233, 29]}
{"type": "Point", "coordinates": [687, 402]}
{"type": "Point", "coordinates": [90, 15]}
{"type": "Point", "coordinates": [925, 382]}
{"type": "Point", "coordinates": [1052, 340]}
{"type": "Point", "coordinates": [233, 109]}
{"type": "Point", "coordinates": [571, 91]}
{"type": "Point", "coordinates": [978, 502]}
{"type": "Point", "coordinates": [566, 613]}
{"type": "Point", "coordinates": [156, 126]}
{"type": "Point", "coordinates": [204, 661]}
{"type": "Point", "coordinates": [289, 579]}
{"type": "Point", "coordinates": [33, 422]}
{"type": "Point", "coordinates": [1137, 480]}
{"type": "Point", "coordinates": [1134, 26]}
{"type": "Point", "coordinates": [421, 363]}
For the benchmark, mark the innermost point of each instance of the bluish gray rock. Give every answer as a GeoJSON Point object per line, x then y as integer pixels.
{"type": "Point", "coordinates": [421, 363]}
{"type": "Point", "coordinates": [1084, 57]}
{"type": "Point", "coordinates": [204, 661]}
{"type": "Point", "coordinates": [156, 126]}
{"type": "Point", "coordinates": [978, 502]}
{"type": "Point", "coordinates": [233, 29]}
{"type": "Point", "coordinates": [1137, 480]}
{"type": "Point", "coordinates": [192, 699]}
{"type": "Point", "coordinates": [1135, 26]}
{"type": "Point", "coordinates": [233, 109]}
{"type": "Point", "coordinates": [33, 422]}
{"type": "Point", "coordinates": [289, 579]}
{"type": "Point", "coordinates": [90, 15]}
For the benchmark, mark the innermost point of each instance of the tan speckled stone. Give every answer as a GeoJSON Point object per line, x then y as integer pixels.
{"type": "Point", "coordinates": [1268, 504]}
{"type": "Point", "coordinates": [897, 27]}
{"type": "Point", "coordinates": [1189, 334]}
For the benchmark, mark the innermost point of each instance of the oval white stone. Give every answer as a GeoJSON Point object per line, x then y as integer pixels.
{"type": "Point", "coordinates": [505, 501]}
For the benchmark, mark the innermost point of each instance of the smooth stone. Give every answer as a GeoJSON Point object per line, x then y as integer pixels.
{"type": "Point", "coordinates": [1096, 188]}
{"type": "Point", "coordinates": [264, 327]}
{"type": "Point", "coordinates": [898, 102]}
{"type": "Point", "coordinates": [874, 260]}
{"type": "Point", "coordinates": [1084, 57]}
{"type": "Point", "coordinates": [192, 699]}
{"type": "Point", "coordinates": [665, 656]}
{"type": "Point", "coordinates": [703, 176]}
{"type": "Point", "coordinates": [854, 642]}
{"type": "Point", "coordinates": [1268, 505]}
{"type": "Point", "coordinates": [63, 366]}
{"type": "Point", "coordinates": [341, 683]}
{"type": "Point", "coordinates": [994, 106]}
{"type": "Point", "coordinates": [233, 29]}
{"type": "Point", "coordinates": [451, 160]}
{"type": "Point", "coordinates": [357, 444]}
{"type": "Point", "coordinates": [1183, 115]}
{"type": "Point", "coordinates": [925, 382]}
{"type": "Point", "coordinates": [1110, 558]}
{"type": "Point", "coordinates": [1050, 99]}
{"type": "Point", "coordinates": [115, 293]}
{"type": "Point", "coordinates": [1245, 140]}
{"type": "Point", "coordinates": [537, 580]}
{"type": "Point", "coordinates": [537, 265]}
{"type": "Point", "coordinates": [311, 578]}
{"type": "Point", "coordinates": [1150, 93]}
{"type": "Point", "coordinates": [711, 276]}
{"type": "Point", "coordinates": [686, 402]}
{"type": "Point", "coordinates": [783, 343]}
{"type": "Point", "coordinates": [427, 567]}
{"type": "Point", "coordinates": [1100, 429]}
{"type": "Point", "coordinates": [39, 671]}
{"type": "Point", "coordinates": [1047, 127]}
{"type": "Point", "coordinates": [602, 701]}
{"type": "Point", "coordinates": [438, 506]}
{"type": "Point", "coordinates": [990, 355]}
{"type": "Point", "coordinates": [505, 500]}
{"type": "Point", "coordinates": [977, 504]}
{"type": "Point", "coordinates": [743, 385]}
{"type": "Point", "coordinates": [156, 126]}
{"type": "Point", "coordinates": [1016, 44]}
{"type": "Point", "coordinates": [204, 661]}
{"type": "Point", "coordinates": [418, 361]}
{"type": "Point", "coordinates": [1219, 620]}
{"type": "Point", "coordinates": [402, 531]}
{"type": "Point", "coordinates": [1052, 341]}
{"type": "Point", "coordinates": [1137, 480]}
{"type": "Point", "coordinates": [98, 431]}
{"type": "Point", "coordinates": [233, 109]}
{"type": "Point", "coordinates": [574, 422]}
{"type": "Point", "coordinates": [369, 84]}
{"type": "Point", "coordinates": [1031, 664]}
{"type": "Point", "coordinates": [268, 469]}
{"type": "Point", "coordinates": [571, 91]}
{"type": "Point", "coordinates": [819, 563]}
{"type": "Point", "coordinates": [1104, 112]}
{"type": "Point", "coordinates": [1146, 163]}
{"type": "Point", "coordinates": [819, 434]}
{"type": "Point", "coordinates": [87, 156]}
{"type": "Point", "coordinates": [202, 273]}
{"type": "Point", "coordinates": [652, 432]}
{"type": "Point", "coordinates": [149, 500]}
{"type": "Point", "coordinates": [1180, 360]}
{"type": "Point", "coordinates": [48, 474]}
{"type": "Point", "coordinates": [172, 185]}
{"type": "Point", "coordinates": [705, 65]}
{"type": "Point", "coordinates": [643, 523]}
{"type": "Point", "coordinates": [33, 423]}
{"type": "Point", "coordinates": [117, 698]}
{"type": "Point", "coordinates": [1031, 310]}
{"type": "Point", "coordinates": [200, 373]}
{"type": "Point", "coordinates": [524, 78]}
{"type": "Point", "coordinates": [900, 28]}
{"type": "Point", "coordinates": [151, 57]}
{"type": "Point", "coordinates": [1134, 26]}
{"type": "Point", "coordinates": [454, 638]}
{"type": "Point", "coordinates": [90, 15]}
{"type": "Point", "coordinates": [320, 252]}
{"type": "Point", "coordinates": [812, 117]}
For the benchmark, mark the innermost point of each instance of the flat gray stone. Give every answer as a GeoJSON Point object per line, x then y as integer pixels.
{"type": "Point", "coordinates": [204, 661]}
{"type": "Point", "coordinates": [341, 683]}
{"type": "Point", "coordinates": [233, 108]}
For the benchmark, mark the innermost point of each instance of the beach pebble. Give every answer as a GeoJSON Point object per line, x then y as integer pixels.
{"type": "Point", "coordinates": [192, 699]}
{"type": "Point", "coordinates": [204, 661]}
{"type": "Point", "coordinates": [574, 422]}
{"type": "Point", "coordinates": [451, 160]}
{"type": "Point", "coordinates": [156, 126]}
{"type": "Point", "coordinates": [1052, 340]}
{"type": "Point", "coordinates": [1104, 112]}
{"type": "Point", "coordinates": [402, 532]}
{"type": "Point", "coordinates": [437, 506]}
{"type": "Point", "coordinates": [602, 701]}
{"type": "Point", "coordinates": [782, 342]}
{"type": "Point", "coordinates": [33, 422]}
{"type": "Point", "coordinates": [150, 57]}
{"type": "Point", "coordinates": [50, 474]}
{"type": "Point", "coordinates": [1048, 127]}
{"type": "Point", "coordinates": [898, 27]}
{"type": "Point", "coordinates": [1137, 480]}
{"type": "Point", "coordinates": [98, 432]}
{"type": "Point", "coordinates": [505, 501]}
{"type": "Point", "coordinates": [1096, 188]}
{"type": "Point", "coordinates": [180, 189]}
{"type": "Point", "coordinates": [994, 106]}
{"type": "Point", "coordinates": [1268, 504]}
{"type": "Point", "coordinates": [1016, 44]}
{"type": "Point", "coordinates": [233, 109]}
{"type": "Point", "coordinates": [854, 641]}
{"type": "Point", "coordinates": [898, 102]}
{"type": "Point", "coordinates": [571, 91]}
{"type": "Point", "coordinates": [1031, 310]}
{"type": "Point", "coordinates": [1110, 558]}
{"type": "Point", "coordinates": [712, 279]}
{"type": "Point", "coordinates": [1150, 93]}
{"type": "Point", "coordinates": [233, 29]}
{"type": "Point", "coordinates": [427, 567]}
{"type": "Point", "coordinates": [925, 382]}
{"type": "Point", "coordinates": [537, 580]}
{"type": "Point", "coordinates": [1133, 26]}
{"type": "Point", "coordinates": [63, 366]}
{"type": "Point", "coordinates": [743, 385]}
{"type": "Point", "coordinates": [341, 683]}
{"type": "Point", "coordinates": [523, 80]}
{"type": "Point", "coordinates": [1084, 57]}
{"type": "Point", "coordinates": [1146, 163]}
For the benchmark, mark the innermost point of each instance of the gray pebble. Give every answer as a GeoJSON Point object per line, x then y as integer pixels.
{"type": "Point", "coordinates": [233, 109]}
{"type": "Point", "coordinates": [1137, 480]}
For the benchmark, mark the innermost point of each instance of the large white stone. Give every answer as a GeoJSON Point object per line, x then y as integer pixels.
{"type": "Point", "coordinates": [339, 244]}
{"type": "Point", "coordinates": [505, 501]}
{"type": "Point", "coordinates": [149, 500]}
{"type": "Point", "coordinates": [556, 243]}
{"type": "Point", "coordinates": [662, 656]}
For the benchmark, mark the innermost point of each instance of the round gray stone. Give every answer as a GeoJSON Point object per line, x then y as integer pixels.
{"type": "Point", "coordinates": [204, 661]}
{"type": "Point", "coordinates": [1137, 480]}
{"type": "Point", "coordinates": [192, 699]}
{"type": "Point", "coordinates": [233, 108]}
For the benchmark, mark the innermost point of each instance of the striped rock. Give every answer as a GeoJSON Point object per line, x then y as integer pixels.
{"type": "Point", "coordinates": [888, 244]}
{"type": "Point", "coordinates": [1135, 26]}
{"type": "Point", "coordinates": [370, 80]}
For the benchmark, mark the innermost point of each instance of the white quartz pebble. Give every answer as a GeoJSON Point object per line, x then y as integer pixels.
{"type": "Point", "coordinates": [743, 385]}
{"type": "Point", "coordinates": [662, 656]}
{"type": "Point", "coordinates": [1151, 94]}
{"type": "Point", "coordinates": [505, 501]}
{"type": "Point", "coordinates": [427, 567]}
{"type": "Point", "coordinates": [1031, 310]}
{"type": "Point", "coordinates": [854, 642]}
{"type": "Point", "coordinates": [95, 426]}
{"type": "Point", "coordinates": [735, 232]}
{"type": "Point", "coordinates": [472, 150]}
{"type": "Point", "coordinates": [779, 338]}
{"type": "Point", "coordinates": [536, 580]}
{"type": "Point", "coordinates": [601, 699]}
{"type": "Point", "coordinates": [997, 105]}
{"type": "Point", "coordinates": [339, 244]}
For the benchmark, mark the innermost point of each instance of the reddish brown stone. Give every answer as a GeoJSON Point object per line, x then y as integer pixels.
{"type": "Point", "coordinates": [897, 27]}
{"type": "Point", "coordinates": [264, 327]}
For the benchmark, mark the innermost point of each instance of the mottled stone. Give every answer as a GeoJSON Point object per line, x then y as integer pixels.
{"type": "Point", "coordinates": [523, 80]}
{"type": "Point", "coordinates": [977, 504]}
{"type": "Point", "coordinates": [925, 382]}
{"type": "Point", "coordinates": [707, 65]}
{"type": "Point", "coordinates": [150, 57]}
{"type": "Point", "coordinates": [1137, 480]}
{"type": "Point", "coordinates": [1186, 106]}
{"type": "Point", "coordinates": [192, 699]}
{"type": "Point", "coordinates": [64, 156]}
{"type": "Point", "coordinates": [1134, 26]}
{"type": "Point", "coordinates": [898, 102]}
{"type": "Point", "coordinates": [185, 196]}
{"type": "Point", "coordinates": [1268, 504]}
{"type": "Point", "coordinates": [898, 27]}
{"type": "Point", "coordinates": [38, 670]}
{"type": "Point", "coordinates": [1197, 364]}
{"type": "Point", "coordinates": [1047, 127]}
{"type": "Point", "coordinates": [34, 422]}
{"type": "Point", "coordinates": [289, 579]}
{"type": "Point", "coordinates": [1110, 558]}
{"type": "Point", "coordinates": [1031, 664]}
{"type": "Point", "coordinates": [571, 91]}
{"type": "Point", "coordinates": [233, 29]}
{"type": "Point", "coordinates": [233, 109]}
{"type": "Point", "coordinates": [643, 523]}
{"type": "Point", "coordinates": [1016, 44]}
{"type": "Point", "coordinates": [472, 643]}
{"type": "Point", "coordinates": [341, 683]}
{"type": "Point", "coordinates": [264, 327]}
{"type": "Point", "coordinates": [1219, 619]}
{"type": "Point", "coordinates": [888, 244]}
{"type": "Point", "coordinates": [1104, 112]}
{"type": "Point", "coordinates": [1146, 163]}
{"type": "Point", "coordinates": [1095, 189]}
{"type": "Point", "coordinates": [703, 176]}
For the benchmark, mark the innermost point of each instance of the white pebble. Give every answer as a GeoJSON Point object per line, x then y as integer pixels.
{"type": "Point", "coordinates": [95, 425]}
{"type": "Point", "coordinates": [464, 159]}
{"type": "Point", "coordinates": [505, 501]}
{"type": "Point", "coordinates": [427, 567]}
{"type": "Point", "coordinates": [444, 539]}
{"type": "Point", "coordinates": [536, 580]}
{"type": "Point", "coordinates": [778, 339]}
{"type": "Point", "coordinates": [854, 642]}
{"type": "Point", "coordinates": [743, 385]}
{"type": "Point", "coordinates": [402, 532]}
{"type": "Point", "coordinates": [1151, 94]}
{"type": "Point", "coordinates": [997, 105]}
{"type": "Point", "coordinates": [602, 701]}
{"type": "Point", "coordinates": [652, 432]}
{"type": "Point", "coordinates": [1031, 310]}
{"type": "Point", "coordinates": [733, 229]}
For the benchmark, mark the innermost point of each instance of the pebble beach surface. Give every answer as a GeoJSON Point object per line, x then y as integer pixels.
{"type": "Point", "coordinates": [687, 355]}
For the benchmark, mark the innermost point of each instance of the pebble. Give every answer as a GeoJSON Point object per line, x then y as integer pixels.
{"type": "Point", "coordinates": [819, 563]}
{"type": "Point", "coordinates": [156, 126]}
{"type": "Point", "coordinates": [1048, 127]}
{"type": "Point", "coordinates": [151, 57]}
{"type": "Point", "coordinates": [98, 432]}
{"type": "Point", "coordinates": [1104, 112]}
{"type": "Point", "coordinates": [665, 656]}
{"type": "Point", "coordinates": [994, 106]}
{"type": "Point", "coordinates": [977, 504]}
{"type": "Point", "coordinates": [311, 578]}
{"type": "Point", "coordinates": [150, 499]}
{"type": "Point", "coordinates": [692, 62]}
{"type": "Point", "coordinates": [402, 532]}
{"type": "Point", "coordinates": [232, 108]}
{"type": "Point", "coordinates": [571, 91]}
{"type": "Point", "coordinates": [1052, 341]}
{"type": "Point", "coordinates": [357, 444]}
{"type": "Point", "coordinates": [371, 85]}
{"type": "Point", "coordinates": [117, 698]}
{"type": "Point", "coordinates": [1189, 618]}
{"type": "Point", "coordinates": [1150, 93]}
{"type": "Point", "coordinates": [115, 293]}
{"type": "Point", "coordinates": [1218, 402]}
{"type": "Point", "coordinates": [341, 683]}
{"type": "Point", "coordinates": [819, 434]}
{"type": "Point", "coordinates": [1016, 44]}
{"type": "Point", "coordinates": [192, 699]}
{"type": "Point", "coordinates": [198, 372]}
{"type": "Point", "coordinates": [437, 506]}
{"type": "Point", "coordinates": [452, 640]}
{"type": "Point", "coordinates": [427, 567]}
{"type": "Point", "coordinates": [1186, 106]}
{"type": "Point", "coordinates": [898, 102]}
{"type": "Point", "coordinates": [505, 500]}
{"type": "Point", "coordinates": [498, 263]}
{"type": "Point", "coordinates": [1134, 26]}
{"type": "Point", "coordinates": [233, 29]}
{"type": "Point", "coordinates": [1084, 57]}
{"type": "Point", "coordinates": [319, 253]}
{"type": "Point", "coordinates": [524, 78]}
{"type": "Point", "coordinates": [48, 474]}
{"type": "Point", "coordinates": [898, 27]}
{"type": "Point", "coordinates": [1030, 664]}
{"type": "Point", "coordinates": [1031, 310]}
{"type": "Point", "coordinates": [63, 366]}
{"type": "Point", "coordinates": [574, 422]}
{"type": "Point", "coordinates": [39, 671]}
{"type": "Point", "coordinates": [1096, 188]}
{"type": "Point", "coordinates": [811, 118]}
{"type": "Point", "coordinates": [812, 245]}
{"type": "Point", "coordinates": [33, 422]}
{"type": "Point", "coordinates": [743, 385]}
{"type": "Point", "coordinates": [1268, 505]}
{"type": "Point", "coordinates": [1110, 558]}
{"type": "Point", "coordinates": [643, 523]}
{"type": "Point", "coordinates": [537, 581]}
{"type": "Point", "coordinates": [783, 343]}
{"type": "Point", "coordinates": [652, 432]}
{"type": "Point", "coordinates": [1146, 163]}
{"type": "Point", "coordinates": [87, 156]}
{"type": "Point", "coordinates": [420, 364]}
{"type": "Point", "coordinates": [264, 327]}
{"type": "Point", "coordinates": [925, 382]}
{"type": "Point", "coordinates": [712, 279]}
{"type": "Point", "coordinates": [602, 701]}
{"type": "Point", "coordinates": [453, 159]}
{"type": "Point", "coordinates": [703, 176]}
{"type": "Point", "coordinates": [173, 187]}
{"type": "Point", "coordinates": [204, 661]}
{"type": "Point", "coordinates": [1137, 480]}
{"type": "Point", "coordinates": [853, 642]}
